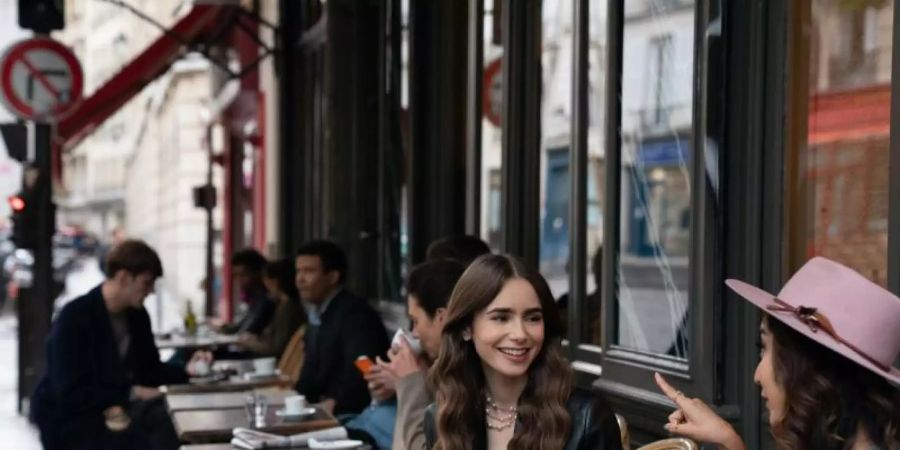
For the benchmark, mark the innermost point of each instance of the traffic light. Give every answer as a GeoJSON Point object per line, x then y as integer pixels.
{"type": "Point", "coordinates": [15, 137]}
{"type": "Point", "coordinates": [42, 16]}
{"type": "Point", "coordinates": [24, 221]}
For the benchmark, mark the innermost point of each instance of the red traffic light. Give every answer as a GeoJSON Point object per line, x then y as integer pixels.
{"type": "Point", "coordinates": [17, 203]}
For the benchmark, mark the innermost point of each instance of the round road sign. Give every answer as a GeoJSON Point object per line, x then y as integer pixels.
{"type": "Point", "coordinates": [40, 79]}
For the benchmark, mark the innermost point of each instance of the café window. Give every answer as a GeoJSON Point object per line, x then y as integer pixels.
{"type": "Point", "coordinates": [656, 180]}
{"type": "Point", "coordinates": [838, 160]}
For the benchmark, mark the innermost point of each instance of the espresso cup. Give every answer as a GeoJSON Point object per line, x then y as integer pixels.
{"type": "Point", "coordinates": [201, 368]}
{"type": "Point", "coordinates": [414, 344]}
{"type": "Point", "coordinates": [264, 366]}
{"type": "Point", "coordinates": [294, 404]}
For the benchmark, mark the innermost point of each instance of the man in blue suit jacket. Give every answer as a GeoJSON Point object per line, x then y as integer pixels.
{"type": "Point", "coordinates": [100, 389]}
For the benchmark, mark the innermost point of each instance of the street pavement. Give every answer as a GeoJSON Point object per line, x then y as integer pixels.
{"type": "Point", "coordinates": [15, 431]}
{"type": "Point", "coordinates": [652, 296]}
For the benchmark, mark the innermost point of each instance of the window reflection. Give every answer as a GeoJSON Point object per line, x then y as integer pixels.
{"type": "Point", "coordinates": [842, 168]}
{"type": "Point", "coordinates": [556, 126]}
{"type": "Point", "coordinates": [596, 180]}
{"type": "Point", "coordinates": [655, 191]}
{"type": "Point", "coordinates": [491, 128]}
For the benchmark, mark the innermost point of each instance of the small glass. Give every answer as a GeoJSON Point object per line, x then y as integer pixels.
{"type": "Point", "coordinates": [256, 406]}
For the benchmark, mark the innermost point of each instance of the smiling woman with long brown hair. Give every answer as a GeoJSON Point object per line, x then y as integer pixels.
{"type": "Point", "coordinates": [501, 380]}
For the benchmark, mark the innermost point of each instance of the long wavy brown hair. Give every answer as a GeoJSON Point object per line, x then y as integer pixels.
{"type": "Point", "coordinates": [457, 377]}
{"type": "Point", "coordinates": [828, 397]}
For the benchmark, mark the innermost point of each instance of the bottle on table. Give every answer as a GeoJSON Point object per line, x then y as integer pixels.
{"type": "Point", "coordinates": [190, 320]}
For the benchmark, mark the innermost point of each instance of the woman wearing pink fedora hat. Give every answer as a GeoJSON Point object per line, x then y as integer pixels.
{"type": "Point", "coordinates": [829, 340]}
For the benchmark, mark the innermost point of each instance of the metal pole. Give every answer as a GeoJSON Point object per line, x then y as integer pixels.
{"type": "Point", "coordinates": [210, 268]}
{"type": "Point", "coordinates": [35, 305]}
{"type": "Point", "coordinates": [578, 161]}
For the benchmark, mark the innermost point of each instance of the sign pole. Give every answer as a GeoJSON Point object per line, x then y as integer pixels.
{"type": "Point", "coordinates": [41, 81]}
{"type": "Point", "coordinates": [35, 307]}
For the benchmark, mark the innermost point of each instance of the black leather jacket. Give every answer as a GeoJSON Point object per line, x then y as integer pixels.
{"type": "Point", "coordinates": [594, 425]}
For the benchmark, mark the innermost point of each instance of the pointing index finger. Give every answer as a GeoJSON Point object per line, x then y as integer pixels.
{"type": "Point", "coordinates": [667, 389]}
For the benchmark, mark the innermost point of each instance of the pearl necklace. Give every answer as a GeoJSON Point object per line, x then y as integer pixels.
{"type": "Point", "coordinates": [498, 417]}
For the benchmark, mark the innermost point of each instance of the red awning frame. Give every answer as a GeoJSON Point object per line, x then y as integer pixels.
{"type": "Point", "coordinates": [204, 23]}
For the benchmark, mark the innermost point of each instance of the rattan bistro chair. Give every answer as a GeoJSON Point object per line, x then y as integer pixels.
{"type": "Point", "coordinates": [291, 361]}
{"type": "Point", "coordinates": [623, 432]}
{"type": "Point", "coordinates": [671, 444]}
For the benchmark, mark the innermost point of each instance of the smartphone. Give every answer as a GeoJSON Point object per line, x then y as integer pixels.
{"type": "Point", "coordinates": [364, 364]}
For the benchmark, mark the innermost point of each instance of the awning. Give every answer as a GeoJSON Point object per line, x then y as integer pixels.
{"type": "Point", "coordinates": [850, 115]}
{"type": "Point", "coordinates": [201, 24]}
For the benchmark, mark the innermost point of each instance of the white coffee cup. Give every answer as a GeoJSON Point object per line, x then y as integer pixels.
{"type": "Point", "coordinates": [294, 404]}
{"type": "Point", "coordinates": [264, 366]}
{"type": "Point", "coordinates": [201, 368]}
{"type": "Point", "coordinates": [414, 344]}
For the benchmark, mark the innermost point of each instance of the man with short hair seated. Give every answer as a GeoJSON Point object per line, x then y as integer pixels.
{"type": "Point", "coordinates": [341, 328]}
{"type": "Point", "coordinates": [100, 388]}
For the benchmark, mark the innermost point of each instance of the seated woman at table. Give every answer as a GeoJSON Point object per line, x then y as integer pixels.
{"type": "Point", "coordinates": [278, 276]}
{"type": "Point", "coordinates": [501, 380]}
{"type": "Point", "coordinates": [247, 267]}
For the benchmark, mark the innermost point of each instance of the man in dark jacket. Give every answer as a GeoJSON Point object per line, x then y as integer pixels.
{"type": "Point", "coordinates": [342, 327]}
{"type": "Point", "coordinates": [100, 388]}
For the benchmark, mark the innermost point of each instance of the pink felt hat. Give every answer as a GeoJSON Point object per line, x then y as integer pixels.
{"type": "Point", "coordinates": [838, 308]}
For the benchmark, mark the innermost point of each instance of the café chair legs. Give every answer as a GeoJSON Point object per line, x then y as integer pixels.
{"type": "Point", "coordinates": [623, 432]}
{"type": "Point", "coordinates": [672, 444]}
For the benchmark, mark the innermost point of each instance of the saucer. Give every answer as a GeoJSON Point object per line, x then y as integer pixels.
{"type": "Point", "coordinates": [212, 377]}
{"type": "Point", "coordinates": [290, 415]}
{"type": "Point", "coordinates": [341, 444]}
{"type": "Point", "coordinates": [258, 376]}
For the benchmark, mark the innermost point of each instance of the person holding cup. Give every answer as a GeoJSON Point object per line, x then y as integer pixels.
{"type": "Point", "coordinates": [428, 287]}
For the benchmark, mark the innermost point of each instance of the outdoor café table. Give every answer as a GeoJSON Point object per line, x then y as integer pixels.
{"type": "Point", "coordinates": [176, 341]}
{"type": "Point", "coordinates": [223, 400]}
{"type": "Point", "coordinates": [230, 447]}
{"type": "Point", "coordinates": [236, 383]}
{"type": "Point", "coordinates": [216, 425]}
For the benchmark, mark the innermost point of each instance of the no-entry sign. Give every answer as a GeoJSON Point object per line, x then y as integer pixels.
{"type": "Point", "coordinates": [40, 79]}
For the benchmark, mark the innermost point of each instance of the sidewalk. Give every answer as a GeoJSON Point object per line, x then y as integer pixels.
{"type": "Point", "coordinates": [16, 432]}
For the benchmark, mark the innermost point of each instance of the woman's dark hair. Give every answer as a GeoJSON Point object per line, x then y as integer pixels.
{"type": "Point", "coordinates": [828, 397]}
{"type": "Point", "coordinates": [457, 377]}
{"type": "Point", "coordinates": [329, 253]}
{"type": "Point", "coordinates": [283, 271]}
{"type": "Point", "coordinates": [134, 257]}
{"type": "Point", "coordinates": [432, 283]}
{"type": "Point", "coordinates": [250, 258]}
{"type": "Point", "coordinates": [462, 248]}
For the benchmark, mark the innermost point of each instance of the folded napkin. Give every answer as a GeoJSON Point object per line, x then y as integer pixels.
{"type": "Point", "coordinates": [251, 439]}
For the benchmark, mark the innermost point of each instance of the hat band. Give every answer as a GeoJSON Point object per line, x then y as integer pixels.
{"type": "Point", "coordinates": [817, 321]}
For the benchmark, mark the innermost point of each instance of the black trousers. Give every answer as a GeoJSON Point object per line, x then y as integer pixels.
{"type": "Point", "coordinates": [151, 429]}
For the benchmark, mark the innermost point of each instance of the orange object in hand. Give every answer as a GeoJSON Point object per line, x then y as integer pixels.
{"type": "Point", "coordinates": [364, 364]}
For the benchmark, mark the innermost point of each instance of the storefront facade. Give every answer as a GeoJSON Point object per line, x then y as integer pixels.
{"type": "Point", "coordinates": [686, 141]}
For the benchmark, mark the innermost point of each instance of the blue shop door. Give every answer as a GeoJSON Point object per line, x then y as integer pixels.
{"type": "Point", "coordinates": [639, 220]}
{"type": "Point", "coordinates": [555, 226]}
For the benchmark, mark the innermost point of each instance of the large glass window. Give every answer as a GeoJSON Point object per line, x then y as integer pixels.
{"type": "Point", "coordinates": [556, 128]}
{"type": "Point", "coordinates": [655, 190]}
{"type": "Point", "coordinates": [839, 168]}
{"type": "Point", "coordinates": [491, 127]}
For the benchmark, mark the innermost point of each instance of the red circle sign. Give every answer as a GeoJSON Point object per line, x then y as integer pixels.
{"type": "Point", "coordinates": [40, 79]}
{"type": "Point", "coordinates": [492, 92]}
